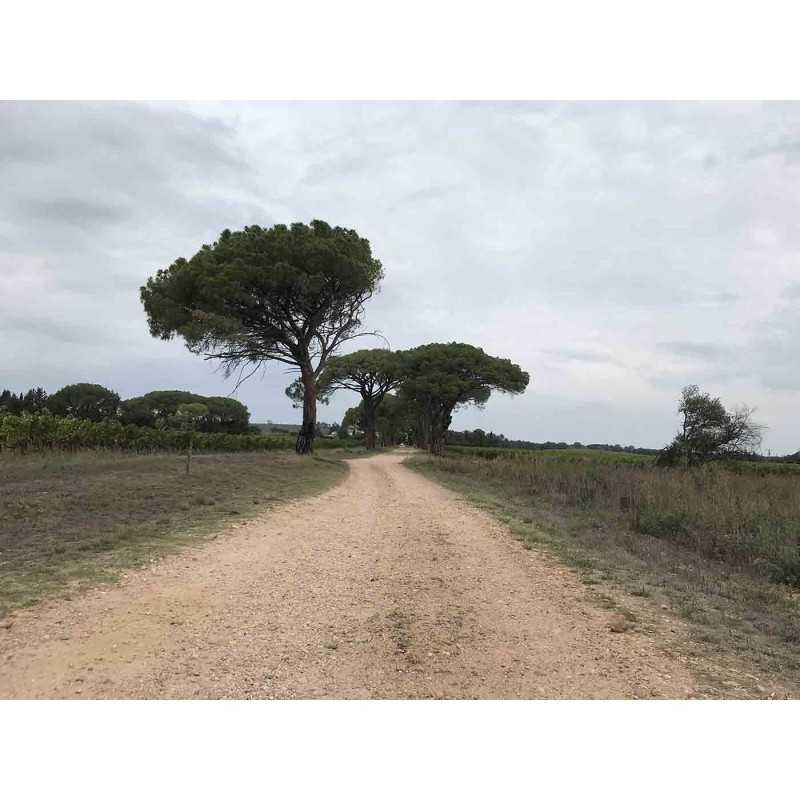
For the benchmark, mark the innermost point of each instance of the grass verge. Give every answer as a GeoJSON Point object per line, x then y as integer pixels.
{"type": "Point", "coordinates": [72, 521]}
{"type": "Point", "coordinates": [733, 610]}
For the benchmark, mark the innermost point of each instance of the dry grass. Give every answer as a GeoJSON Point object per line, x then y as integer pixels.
{"type": "Point", "coordinates": [744, 519]}
{"type": "Point", "coordinates": [69, 521]}
{"type": "Point", "coordinates": [720, 547]}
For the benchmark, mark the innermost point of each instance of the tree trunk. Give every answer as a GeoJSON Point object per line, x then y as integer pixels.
{"type": "Point", "coordinates": [305, 437]}
{"type": "Point", "coordinates": [685, 443]}
{"type": "Point", "coordinates": [424, 422]}
{"type": "Point", "coordinates": [369, 426]}
{"type": "Point", "coordinates": [439, 424]}
{"type": "Point", "coordinates": [435, 436]}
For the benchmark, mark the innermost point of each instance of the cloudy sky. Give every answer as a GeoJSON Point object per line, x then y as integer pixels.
{"type": "Point", "coordinates": [617, 251]}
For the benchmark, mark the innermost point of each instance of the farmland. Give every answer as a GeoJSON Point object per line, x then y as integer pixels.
{"type": "Point", "coordinates": [23, 433]}
{"type": "Point", "coordinates": [720, 543]}
{"type": "Point", "coordinates": [756, 466]}
{"type": "Point", "coordinates": [569, 455]}
{"type": "Point", "coordinates": [70, 520]}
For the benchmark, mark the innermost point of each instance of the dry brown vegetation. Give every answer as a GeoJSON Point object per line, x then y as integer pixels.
{"type": "Point", "coordinates": [721, 546]}
{"type": "Point", "coordinates": [70, 520]}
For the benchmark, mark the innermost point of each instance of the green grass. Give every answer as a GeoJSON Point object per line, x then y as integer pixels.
{"type": "Point", "coordinates": [570, 455]}
{"type": "Point", "coordinates": [71, 521]}
{"type": "Point", "coordinates": [720, 547]}
{"type": "Point", "coordinates": [585, 455]}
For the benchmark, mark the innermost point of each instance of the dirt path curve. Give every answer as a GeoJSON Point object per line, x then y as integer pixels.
{"type": "Point", "coordinates": [385, 586]}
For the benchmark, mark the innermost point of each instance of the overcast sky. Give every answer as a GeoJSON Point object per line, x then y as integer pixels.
{"type": "Point", "coordinates": [616, 251]}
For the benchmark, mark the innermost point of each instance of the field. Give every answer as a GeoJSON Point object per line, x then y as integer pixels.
{"type": "Point", "coordinates": [36, 433]}
{"type": "Point", "coordinates": [720, 545]}
{"type": "Point", "coordinates": [584, 455]}
{"type": "Point", "coordinates": [570, 455]}
{"type": "Point", "coordinates": [71, 520]}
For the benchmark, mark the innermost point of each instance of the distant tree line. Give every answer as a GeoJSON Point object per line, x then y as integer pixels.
{"type": "Point", "coordinates": [222, 414]}
{"type": "Point", "coordinates": [34, 401]}
{"type": "Point", "coordinates": [480, 438]}
{"type": "Point", "coordinates": [95, 403]}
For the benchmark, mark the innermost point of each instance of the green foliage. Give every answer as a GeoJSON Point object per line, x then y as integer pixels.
{"type": "Point", "coordinates": [371, 373]}
{"type": "Point", "coordinates": [479, 438]}
{"type": "Point", "coordinates": [25, 433]}
{"type": "Point", "coordinates": [709, 431]}
{"type": "Point", "coordinates": [242, 291]}
{"type": "Point", "coordinates": [292, 294]}
{"type": "Point", "coordinates": [34, 401]}
{"type": "Point", "coordinates": [296, 392]}
{"type": "Point", "coordinates": [777, 466]}
{"type": "Point", "coordinates": [569, 455]}
{"type": "Point", "coordinates": [164, 402]}
{"type": "Point", "coordinates": [223, 414]}
{"type": "Point", "coordinates": [442, 377]}
{"type": "Point", "coordinates": [663, 523]}
{"type": "Point", "coordinates": [351, 421]}
{"type": "Point", "coordinates": [88, 401]}
{"type": "Point", "coordinates": [378, 370]}
{"type": "Point", "coordinates": [188, 415]}
{"type": "Point", "coordinates": [395, 421]}
{"type": "Point", "coordinates": [137, 411]}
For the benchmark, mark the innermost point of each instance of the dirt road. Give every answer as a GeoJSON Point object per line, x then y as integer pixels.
{"type": "Point", "coordinates": [387, 586]}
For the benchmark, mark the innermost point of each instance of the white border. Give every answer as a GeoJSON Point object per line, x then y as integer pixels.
{"type": "Point", "coordinates": [354, 49]}
{"type": "Point", "coordinates": [398, 749]}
